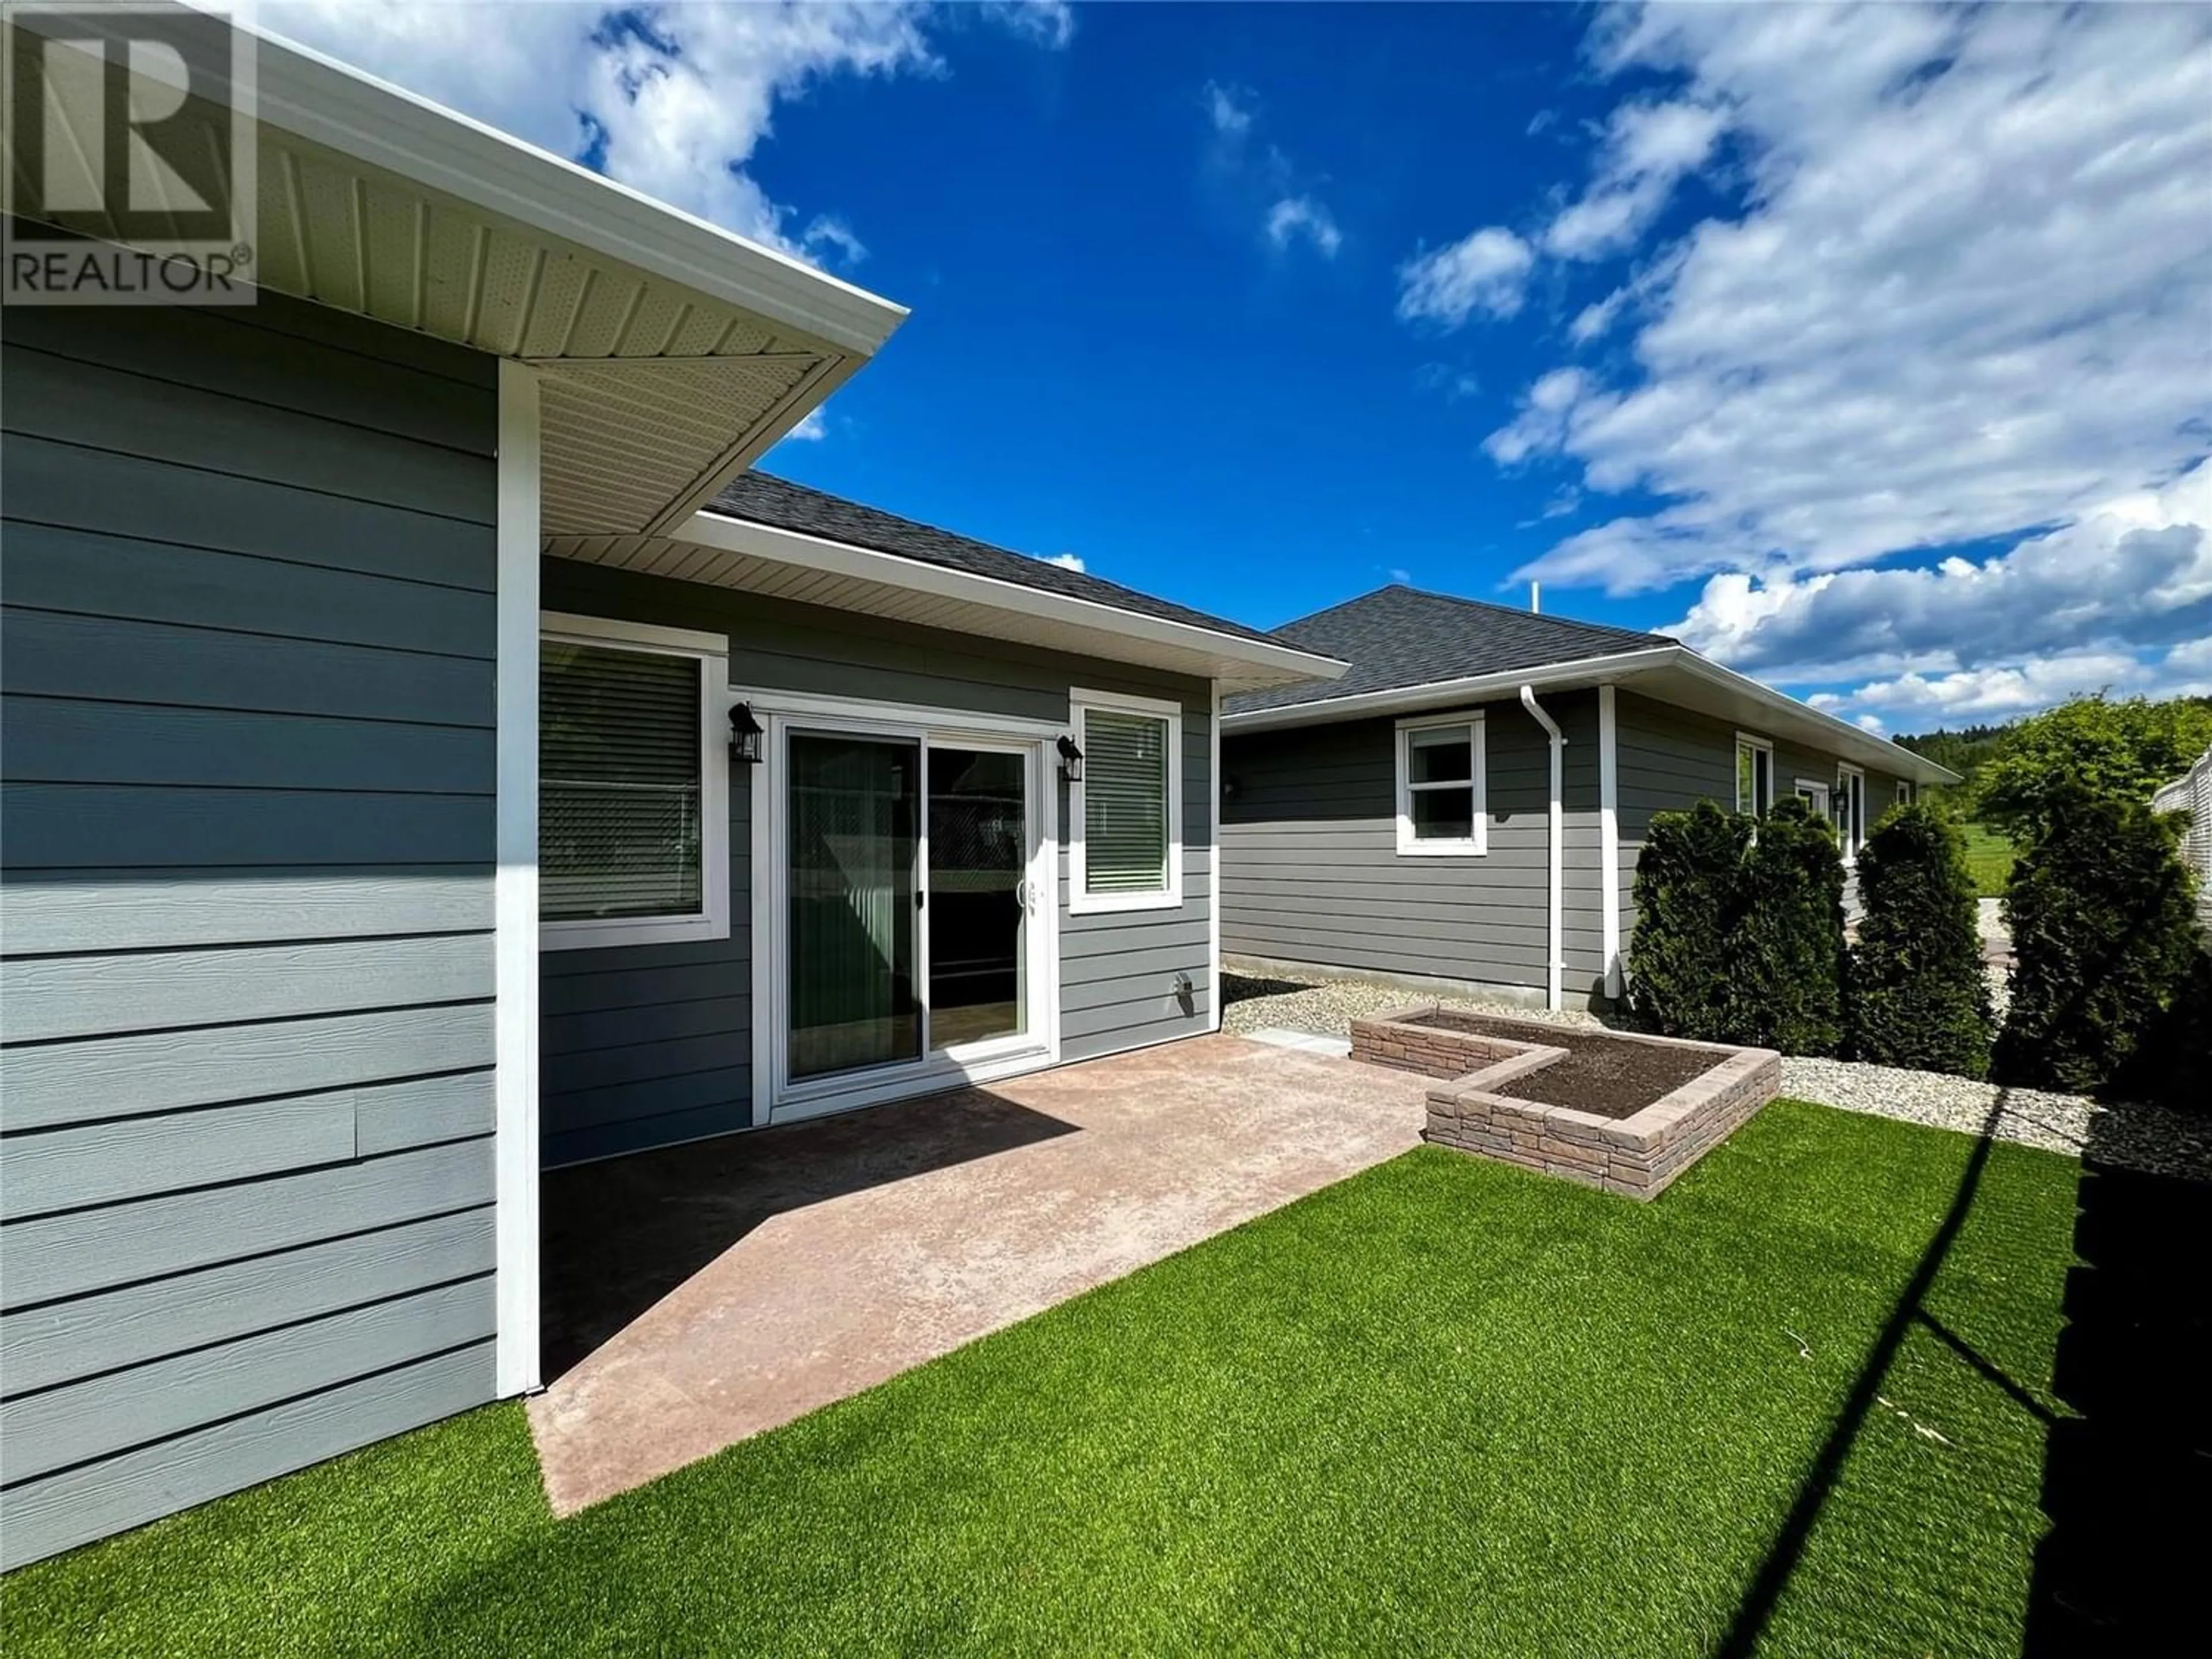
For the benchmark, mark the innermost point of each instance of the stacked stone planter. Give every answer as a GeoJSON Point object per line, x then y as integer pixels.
{"type": "Point", "coordinates": [1638, 1156]}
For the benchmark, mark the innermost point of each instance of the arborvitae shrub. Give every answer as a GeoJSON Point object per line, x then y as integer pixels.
{"type": "Point", "coordinates": [2172, 1067]}
{"type": "Point", "coordinates": [2103, 940]}
{"type": "Point", "coordinates": [1918, 995]}
{"type": "Point", "coordinates": [1688, 879]}
{"type": "Point", "coordinates": [1785, 969]}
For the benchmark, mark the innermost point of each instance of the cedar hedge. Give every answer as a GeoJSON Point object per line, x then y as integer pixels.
{"type": "Point", "coordinates": [1687, 892]}
{"type": "Point", "coordinates": [1919, 995]}
{"type": "Point", "coordinates": [2104, 943]}
{"type": "Point", "coordinates": [1739, 935]}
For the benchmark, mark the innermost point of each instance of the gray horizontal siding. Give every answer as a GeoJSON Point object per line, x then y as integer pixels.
{"type": "Point", "coordinates": [649, 1045]}
{"type": "Point", "coordinates": [1672, 758]}
{"type": "Point", "coordinates": [246, 968]}
{"type": "Point", "coordinates": [1311, 871]}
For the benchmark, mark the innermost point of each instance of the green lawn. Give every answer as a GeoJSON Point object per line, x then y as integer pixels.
{"type": "Point", "coordinates": [1445, 1406]}
{"type": "Point", "coordinates": [1989, 858]}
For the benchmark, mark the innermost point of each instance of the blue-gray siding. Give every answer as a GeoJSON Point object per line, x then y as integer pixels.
{"type": "Point", "coordinates": [1311, 871]}
{"type": "Point", "coordinates": [245, 963]}
{"type": "Point", "coordinates": [1671, 758]}
{"type": "Point", "coordinates": [651, 1044]}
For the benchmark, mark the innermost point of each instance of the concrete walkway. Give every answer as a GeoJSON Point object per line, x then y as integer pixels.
{"type": "Point", "coordinates": [699, 1296]}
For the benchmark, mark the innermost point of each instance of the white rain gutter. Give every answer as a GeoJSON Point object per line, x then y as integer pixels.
{"type": "Point", "coordinates": [1555, 849]}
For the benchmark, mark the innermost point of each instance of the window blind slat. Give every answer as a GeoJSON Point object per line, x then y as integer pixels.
{"type": "Point", "coordinates": [1125, 802]}
{"type": "Point", "coordinates": [619, 783]}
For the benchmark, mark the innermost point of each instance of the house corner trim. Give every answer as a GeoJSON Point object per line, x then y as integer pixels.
{"type": "Point", "coordinates": [1609, 837]}
{"type": "Point", "coordinates": [514, 892]}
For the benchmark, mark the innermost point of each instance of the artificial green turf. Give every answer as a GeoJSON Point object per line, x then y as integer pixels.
{"type": "Point", "coordinates": [1990, 858]}
{"type": "Point", "coordinates": [1447, 1405]}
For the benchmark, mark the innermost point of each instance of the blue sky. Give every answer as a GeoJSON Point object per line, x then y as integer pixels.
{"type": "Point", "coordinates": [1870, 350]}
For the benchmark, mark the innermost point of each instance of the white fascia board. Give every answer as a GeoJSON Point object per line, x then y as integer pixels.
{"type": "Point", "coordinates": [1860, 748]}
{"type": "Point", "coordinates": [334, 104]}
{"type": "Point", "coordinates": [795, 547]}
{"type": "Point", "coordinates": [1823, 729]}
{"type": "Point", "coordinates": [1445, 694]}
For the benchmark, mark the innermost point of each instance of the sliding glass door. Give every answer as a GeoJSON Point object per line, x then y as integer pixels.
{"type": "Point", "coordinates": [910, 883]}
{"type": "Point", "coordinates": [853, 939]}
{"type": "Point", "coordinates": [979, 856]}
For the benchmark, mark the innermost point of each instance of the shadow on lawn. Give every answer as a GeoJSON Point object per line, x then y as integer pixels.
{"type": "Point", "coordinates": [1788, 1546]}
{"type": "Point", "coordinates": [2127, 1483]}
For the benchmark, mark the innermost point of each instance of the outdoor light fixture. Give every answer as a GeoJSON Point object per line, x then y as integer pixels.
{"type": "Point", "coordinates": [1071, 760]}
{"type": "Point", "coordinates": [744, 735]}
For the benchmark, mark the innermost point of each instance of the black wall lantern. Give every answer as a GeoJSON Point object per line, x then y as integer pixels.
{"type": "Point", "coordinates": [1071, 760]}
{"type": "Point", "coordinates": [744, 735]}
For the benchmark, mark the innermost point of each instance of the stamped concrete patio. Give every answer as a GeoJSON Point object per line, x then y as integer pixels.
{"type": "Point", "coordinates": [701, 1295]}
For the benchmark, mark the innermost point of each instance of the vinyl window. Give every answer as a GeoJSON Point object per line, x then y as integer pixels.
{"type": "Point", "coordinates": [1442, 810]}
{"type": "Point", "coordinates": [1754, 775]}
{"type": "Point", "coordinates": [632, 794]}
{"type": "Point", "coordinates": [1126, 811]}
{"type": "Point", "coordinates": [1851, 809]}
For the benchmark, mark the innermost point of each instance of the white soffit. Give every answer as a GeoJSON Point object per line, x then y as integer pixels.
{"type": "Point", "coordinates": [926, 595]}
{"type": "Point", "coordinates": [673, 353]}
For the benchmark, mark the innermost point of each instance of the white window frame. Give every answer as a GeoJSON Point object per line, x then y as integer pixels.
{"type": "Point", "coordinates": [1080, 901]}
{"type": "Point", "coordinates": [1820, 796]}
{"type": "Point", "coordinates": [1753, 741]}
{"type": "Point", "coordinates": [712, 919]}
{"type": "Point", "coordinates": [1473, 846]}
{"type": "Point", "coordinates": [1851, 831]}
{"type": "Point", "coordinates": [1905, 792]}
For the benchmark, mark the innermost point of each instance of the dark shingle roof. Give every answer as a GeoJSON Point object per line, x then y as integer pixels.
{"type": "Point", "coordinates": [1399, 637]}
{"type": "Point", "coordinates": [778, 503]}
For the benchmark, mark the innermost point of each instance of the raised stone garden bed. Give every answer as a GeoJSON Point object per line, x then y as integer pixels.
{"type": "Point", "coordinates": [1624, 1112]}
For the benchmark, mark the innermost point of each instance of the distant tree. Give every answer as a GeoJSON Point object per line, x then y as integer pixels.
{"type": "Point", "coordinates": [1687, 882]}
{"type": "Point", "coordinates": [1919, 995]}
{"type": "Point", "coordinates": [2104, 937]}
{"type": "Point", "coordinates": [1785, 978]}
{"type": "Point", "coordinates": [2113, 749]}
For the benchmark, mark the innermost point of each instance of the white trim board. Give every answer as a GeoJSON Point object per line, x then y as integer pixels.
{"type": "Point", "coordinates": [1080, 901]}
{"type": "Point", "coordinates": [515, 888]}
{"type": "Point", "coordinates": [712, 919]}
{"type": "Point", "coordinates": [1609, 837]}
{"type": "Point", "coordinates": [1475, 845]}
{"type": "Point", "coordinates": [760, 541]}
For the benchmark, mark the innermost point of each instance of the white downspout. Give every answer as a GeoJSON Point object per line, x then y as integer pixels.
{"type": "Point", "coordinates": [1556, 850]}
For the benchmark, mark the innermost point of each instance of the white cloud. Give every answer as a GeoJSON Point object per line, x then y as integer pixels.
{"type": "Point", "coordinates": [1067, 561]}
{"type": "Point", "coordinates": [1968, 292]}
{"type": "Point", "coordinates": [1229, 108]}
{"type": "Point", "coordinates": [1485, 272]}
{"type": "Point", "coordinates": [829, 231]}
{"type": "Point", "coordinates": [1301, 216]}
{"type": "Point", "coordinates": [1871, 723]}
{"type": "Point", "coordinates": [1597, 317]}
{"type": "Point", "coordinates": [1974, 696]}
{"type": "Point", "coordinates": [1648, 147]}
{"type": "Point", "coordinates": [2136, 574]}
{"type": "Point", "coordinates": [674, 100]}
{"type": "Point", "coordinates": [812, 429]}
{"type": "Point", "coordinates": [1541, 418]}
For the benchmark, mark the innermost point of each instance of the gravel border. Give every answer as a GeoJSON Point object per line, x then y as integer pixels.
{"type": "Point", "coordinates": [2152, 1139]}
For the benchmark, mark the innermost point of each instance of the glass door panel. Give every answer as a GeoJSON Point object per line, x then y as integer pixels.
{"type": "Point", "coordinates": [979, 853]}
{"type": "Point", "coordinates": [853, 903]}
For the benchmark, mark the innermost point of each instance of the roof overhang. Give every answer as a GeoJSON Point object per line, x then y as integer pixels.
{"type": "Point", "coordinates": [1669, 673]}
{"type": "Point", "coordinates": [755, 558]}
{"type": "Point", "coordinates": [672, 353]}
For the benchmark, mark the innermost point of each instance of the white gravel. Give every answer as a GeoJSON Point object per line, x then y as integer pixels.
{"type": "Point", "coordinates": [2151, 1139]}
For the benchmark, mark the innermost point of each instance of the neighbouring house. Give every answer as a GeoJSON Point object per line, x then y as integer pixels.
{"type": "Point", "coordinates": [1466, 805]}
{"type": "Point", "coordinates": [2191, 792]}
{"type": "Point", "coordinates": [430, 754]}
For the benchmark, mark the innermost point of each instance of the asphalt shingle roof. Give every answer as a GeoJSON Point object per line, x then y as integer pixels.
{"type": "Point", "coordinates": [1399, 637]}
{"type": "Point", "coordinates": [764, 499]}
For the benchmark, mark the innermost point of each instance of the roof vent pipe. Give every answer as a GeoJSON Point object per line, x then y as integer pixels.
{"type": "Point", "coordinates": [1536, 599]}
{"type": "Point", "coordinates": [1555, 850]}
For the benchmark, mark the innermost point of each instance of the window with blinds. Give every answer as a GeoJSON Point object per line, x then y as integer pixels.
{"type": "Point", "coordinates": [1129, 848]}
{"type": "Point", "coordinates": [619, 783]}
